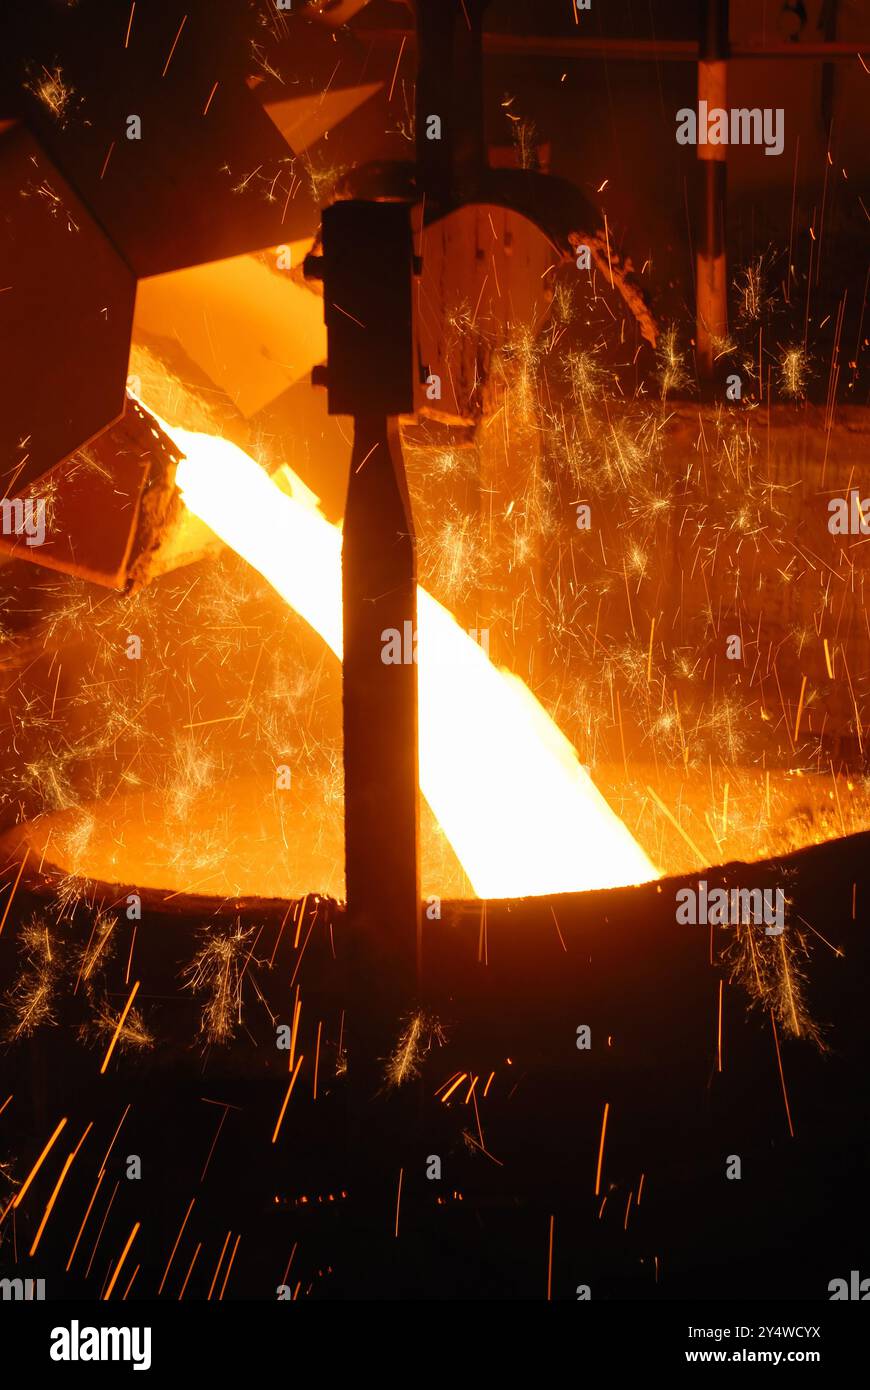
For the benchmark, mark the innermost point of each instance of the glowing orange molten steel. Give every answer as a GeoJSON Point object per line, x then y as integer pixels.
{"type": "Point", "coordinates": [521, 813]}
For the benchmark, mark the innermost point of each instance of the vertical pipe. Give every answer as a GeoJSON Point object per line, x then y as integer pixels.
{"type": "Point", "coordinates": [381, 949]}
{"type": "Point", "coordinates": [450, 86]}
{"type": "Point", "coordinates": [434, 74]}
{"type": "Point", "coordinates": [828, 26]}
{"type": "Point", "coordinates": [712, 286]}
{"type": "Point", "coordinates": [469, 148]}
{"type": "Point", "coordinates": [366, 268]}
{"type": "Point", "coordinates": [380, 729]}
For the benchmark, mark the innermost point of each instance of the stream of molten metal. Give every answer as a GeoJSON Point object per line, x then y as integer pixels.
{"type": "Point", "coordinates": [522, 814]}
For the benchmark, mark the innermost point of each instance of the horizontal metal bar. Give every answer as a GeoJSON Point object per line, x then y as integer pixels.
{"type": "Point", "coordinates": [629, 50]}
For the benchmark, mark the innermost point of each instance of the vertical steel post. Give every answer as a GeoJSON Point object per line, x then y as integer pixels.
{"type": "Point", "coordinates": [711, 302]}
{"type": "Point", "coordinates": [367, 269]}
{"type": "Point", "coordinates": [450, 86]}
{"type": "Point", "coordinates": [381, 799]}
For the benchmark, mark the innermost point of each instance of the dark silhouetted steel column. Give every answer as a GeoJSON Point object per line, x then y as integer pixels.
{"type": "Point", "coordinates": [367, 270]}
{"type": "Point", "coordinates": [450, 86]}
{"type": "Point", "coordinates": [380, 718]}
{"type": "Point", "coordinates": [711, 302]}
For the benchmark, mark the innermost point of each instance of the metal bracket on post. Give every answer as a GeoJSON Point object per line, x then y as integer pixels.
{"type": "Point", "coordinates": [367, 268]}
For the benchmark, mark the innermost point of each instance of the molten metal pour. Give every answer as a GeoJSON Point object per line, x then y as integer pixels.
{"type": "Point", "coordinates": [522, 814]}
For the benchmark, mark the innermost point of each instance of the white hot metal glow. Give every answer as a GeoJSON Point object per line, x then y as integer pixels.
{"type": "Point", "coordinates": [522, 814]}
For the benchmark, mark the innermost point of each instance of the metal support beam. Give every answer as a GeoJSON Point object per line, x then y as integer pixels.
{"type": "Point", "coordinates": [381, 776]}
{"type": "Point", "coordinates": [367, 269]}
{"type": "Point", "coordinates": [450, 88]}
{"type": "Point", "coordinates": [711, 287]}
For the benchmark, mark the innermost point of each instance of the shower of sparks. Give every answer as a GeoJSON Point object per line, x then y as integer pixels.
{"type": "Point", "coordinates": [616, 635]}
{"type": "Point", "coordinates": [601, 1149]}
{"type": "Point", "coordinates": [100, 945]}
{"type": "Point", "coordinates": [624, 658]}
{"type": "Point", "coordinates": [53, 204]}
{"type": "Point", "coordinates": [793, 373]}
{"type": "Point", "coordinates": [419, 1035]}
{"type": "Point", "coordinates": [514, 822]}
{"type": "Point", "coordinates": [751, 291]}
{"type": "Point", "coordinates": [54, 93]}
{"type": "Point", "coordinates": [49, 1206]}
{"type": "Point", "coordinates": [217, 971]}
{"type": "Point", "coordinates": [323, 178]}
{"type": "Point", "coordinates": [673, 373]}
{"type": "Point", "coordinates": [288, 1094]}
{"type": "Point", "coordinates": [25, 1186]}
{"type": "Point", "coordinates": [119, 1028]}
{"type": "Point", "coordinates": [771, 969]}
{"type": "Point", "coordinates": [11, 898]}
{"type": "Point", "coordinates": [33, 997]}
{"type": "Point", "coordinates": [121, 1258]}
{"type": "Point", "coordinates": [133, 1035]}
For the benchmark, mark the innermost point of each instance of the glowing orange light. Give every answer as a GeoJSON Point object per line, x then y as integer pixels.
{"type": "Point", "coordinates": [523, 816]}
